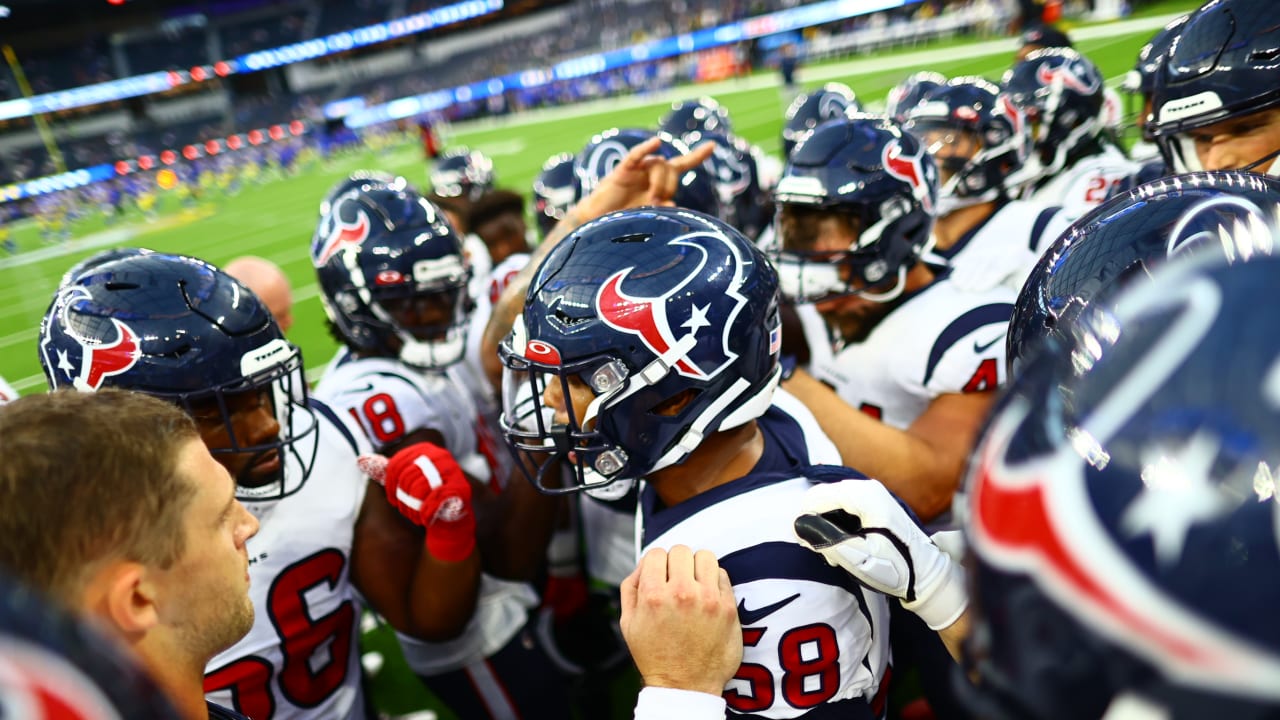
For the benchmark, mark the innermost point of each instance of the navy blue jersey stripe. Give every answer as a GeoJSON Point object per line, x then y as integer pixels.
{"type": "Point", "coordinates": [328, 412]}
{"type": "Point", "coordinates": [962, 326]}
{"type": "Point", "coordinates": [1037, 229]}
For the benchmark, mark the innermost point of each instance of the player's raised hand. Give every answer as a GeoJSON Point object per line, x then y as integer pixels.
{"type": "Point", "coordinates": [680, 621]}
{"type": "Point", "coordinates": [642, 178]}
{"type": "Point", "coordinates": [859, 526]}
{"type": "Point", "coordinates": [427, 486]}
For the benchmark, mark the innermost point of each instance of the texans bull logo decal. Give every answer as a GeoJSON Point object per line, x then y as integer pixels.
{"type": "Point", "coordinates": [343, 235]}
{"type": "Point", "coordinates": [650, 318]}
{"type": "Point", "coordinates": [910, 169]}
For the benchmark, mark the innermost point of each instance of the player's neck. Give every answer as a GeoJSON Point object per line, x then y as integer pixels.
{"type": "Point", "coordinates": [948, 230]}
{"type": "Point", "coordinates": [179, 675]}
{"type": "Point", "coordinates": [723, 457]}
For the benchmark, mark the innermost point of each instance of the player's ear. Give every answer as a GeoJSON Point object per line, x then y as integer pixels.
{"type": "Point", "coordinates": [126, 598]}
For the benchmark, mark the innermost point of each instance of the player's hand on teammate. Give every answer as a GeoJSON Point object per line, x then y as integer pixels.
{"type": "Point", "coordinates": [859, 526]}
{"type": "Point", "coordinates": [680, 621]}
{"type": "Point", "coordinates": [641, 179]}
{"type": "Point", "coordinates": [427, 486]}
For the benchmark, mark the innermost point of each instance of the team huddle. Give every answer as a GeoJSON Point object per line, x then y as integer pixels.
{"type": "Point", "coordinates": [958, 392]}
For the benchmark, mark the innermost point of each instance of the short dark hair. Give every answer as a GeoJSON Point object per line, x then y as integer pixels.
{"type": "Point", "coordinates": [88, 477]}
{"type": "Point", "coordinates": [495, 203]}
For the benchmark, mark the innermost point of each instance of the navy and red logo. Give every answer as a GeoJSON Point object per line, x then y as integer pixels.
{"type": "Point", "coordinates": [910, 169]}
{"type": "Point", "coordinates": [342, 235]}
{"type": "Point", "coordinates": [1072, 76]}
{"type": "Point", "coordinates": [651, 319]}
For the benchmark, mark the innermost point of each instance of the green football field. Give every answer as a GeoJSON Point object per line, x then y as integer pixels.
{"type": "Point", "coordinates": [276, 219]}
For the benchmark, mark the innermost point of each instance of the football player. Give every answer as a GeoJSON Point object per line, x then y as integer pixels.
{"type": "Point", "coordinates": [910, 361]}
{"type": "Point", "coordinates": [184, 331]}
{"type": "Point", "coordinates": [699, 115]}
{"type": "Point", "coordinates": [811, 109]}
{"type": "Point", "coordinates": [978, 138]}
{"type": "Point", "coordinates": [1073, 163]}
{"type": "Point", "coordinates": [649, 343]}
{"type": "Point", "coordinates": [553, 191]}
{"type": "Point", "coordinates": [1140, 83]}
{"type": "Point", "coordinates": [904, 96]}
{"type": "Point", "coordinates": [394, 284]}
{"type": "Point", "coordinates": [1216, 105]}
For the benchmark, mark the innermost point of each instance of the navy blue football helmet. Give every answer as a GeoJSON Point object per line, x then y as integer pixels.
{"type": "Point", "coordinates": [1123, 521]}
{"type": "Point", "coordinates": [810, 109]}
{"type": "Point", "coordinates": [1127, 237]}
{"type": "Point", "coordinates": [995, 126]}
{"type": "Point", "coordinates": [1061, 93]}
{"type": "Point", "coordinates": [699, 115]}
{"type": "Point", "coordinates": [1140, 82]}
{"type": "Point", "coordinates": [904, 96]}
{"type": "Point", "coordinates": [697, 190]}
{"type": "Point", "coordinates": [393, 277]}
{"type": "Point", "coordinates": [1222, 66]}
{"type": "Point", "coordinates": [462, 173]}
{"type": "Point", "coordinates": [670, 320]}
{"type": "Point", "coordinates": [99, 258]}
{"type": "Point", "coordinates": [743, 203]}
{"type": "Point", "coordinates": [553, 191]}
{"type": "Point", "coordinates": [182, 330]}
{"type": "Point", "coordinates": [867, 167]}
{"type": "Point", "coordinates": [357, 178]}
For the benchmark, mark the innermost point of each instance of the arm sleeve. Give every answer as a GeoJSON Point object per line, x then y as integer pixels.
{"type": "Point", "coordinates": [658, 703]}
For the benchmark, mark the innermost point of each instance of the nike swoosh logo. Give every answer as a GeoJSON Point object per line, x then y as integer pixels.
{"type": "Point", "coordinates": [750, 617]}
{"type": "Point", "coordinates": [983, 348]}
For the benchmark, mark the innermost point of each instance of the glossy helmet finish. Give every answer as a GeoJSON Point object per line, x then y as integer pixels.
{"type": "Point", "coordinates": [553, 191]}
{"type": "Point", "coordinates": [1061, 93]}
{"type": "Point", "coordinates": [866, 166]}
{"type": "Point", "coordinates": [101, 257]}
{"type": "Point", "coordinates": [698, 115]}
{"type": "Point", "coordinates": [1141, 80]}
{"type": "Point", "coordinates": [904, 96]}
{"type": "Point", "coordinates": [180, 329]}
{"type": "Point", "coordinates": [696, 191]}
{"type": "Point", "coordinates": [974, 105]}
{"type": "Point", "coordinates": [385, 256]}
{"type": "Point", "coordinates": [1222, 66]}
{"type": "Point", "coordinates": [648, 307]}
{"type": "Point", "coordinates": [743, 203]}
{"type": "Point", "coordinates": [461, 172]}
{"type": "Point", "coordinates": [811, 109]}
{"type": "Point", "coordinates": [358, 178]}
{"type": "Point", "coordinates": [1122, 513]}
{"type": "Point", "coordinates": [1128, 237]}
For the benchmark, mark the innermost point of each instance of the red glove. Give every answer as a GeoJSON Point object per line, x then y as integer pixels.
{"type": "Point", "coordinates": [425, 484]}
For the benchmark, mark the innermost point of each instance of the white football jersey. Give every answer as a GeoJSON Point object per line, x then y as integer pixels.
{"type": "Point", "coordinates": [301, 658]}
{"type": "Point", "coordinates": [1003, 248]}
{"type": "Point", "coordinates": [391, 400]}
{"type": "Point", "coordinates": [940, 340]}
{"type": "Point", "coordinates": [814, 639]}
{"type": "Point", "coordinates": [1083, 186]}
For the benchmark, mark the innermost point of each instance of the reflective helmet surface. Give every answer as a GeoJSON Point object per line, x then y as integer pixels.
{"type": "Point", "coordinates": [385, 256]}
{"type": "Point", "coordinates": [554, 191]}
{"type": "Point", "coordinates": [1221, 66]}
{"type": "Point", "coordinates": [1003, 138]}
{"type": "Point", "coordinates": [461, 172]}
{"type": "Point", "coordinates": [1061, 93]}
{"type": "Point", "coordinates": [184, 331]}
{"type": "Point", "coordinates": [904, 96]}
{"type": "Point", "coordinates": [868, 167]}
{"type": "Point", "coordinates": [811, 109]}
{"type": "Point", "coordinates": [698, 115]}
{"type": "Point", "coordinates": [668, 317]}
{"type": "Point", "coordinates": [696, 189]}
{"type": "Point", "coordinates": [1123, 516]}
{"type": "Point", "coordinates": [1129, 236]}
